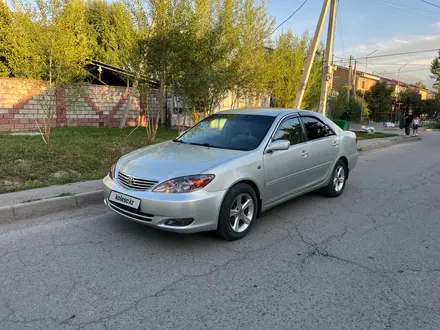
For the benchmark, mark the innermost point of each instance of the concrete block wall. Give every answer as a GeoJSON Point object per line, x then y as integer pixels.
{"type": "Point", "coordinates": [23, 102]}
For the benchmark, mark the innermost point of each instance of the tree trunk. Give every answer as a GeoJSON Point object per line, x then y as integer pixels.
{"type": "Point", "coordinates": [128, 105]}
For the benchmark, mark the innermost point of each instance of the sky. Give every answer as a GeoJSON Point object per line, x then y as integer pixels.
{"type": "Point", "coordinates": [362, 26]}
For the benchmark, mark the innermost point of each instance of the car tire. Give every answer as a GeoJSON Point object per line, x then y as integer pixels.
{"type": "Point", "coordinates": [237, 213]}
{"type": "Point", "coordinates": [337, 180]}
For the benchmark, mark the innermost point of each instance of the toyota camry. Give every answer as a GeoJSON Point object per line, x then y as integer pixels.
{"type": "Point", "coordinates": [222, 173]}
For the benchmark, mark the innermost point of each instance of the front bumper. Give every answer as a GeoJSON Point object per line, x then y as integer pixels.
{"type": "Point", "coordinates": [156, 208]}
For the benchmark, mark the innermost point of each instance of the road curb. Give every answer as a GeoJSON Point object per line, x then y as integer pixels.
{"type": "Point", "coordinates": [381, 145]}
{"type": "Point", "coordinates": [11, 213]}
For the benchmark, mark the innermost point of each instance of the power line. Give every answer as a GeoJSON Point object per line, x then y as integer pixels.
{"type": "Point", "coordinates": [409, 64]}
{"type": "Point", "coordinates": [289, 17]}
{"type": "Point", "coordinates": [385, 72]}
{"type": "Point", "coordinates": [398, 54]}
{"type": "Point", "coordinates": [406, 11]}
{"type": "Point", "coordinates": [430, 3]}
{"type": "Point", "coordinates": [407, 7]}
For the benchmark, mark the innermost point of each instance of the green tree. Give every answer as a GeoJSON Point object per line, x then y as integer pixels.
{"type": "Point", "coordinates": [421, 84]}
{"type": "Point", "coordinates": [20, 51]}
{"type": "Point", "coordinates": [50, 41]}
{"type": "Point", "coordinates": [113, 32]}
{"type": "Point", "coordinates": [379, 99]}
{"type": "Point", "coordinates": [431, 108]}
{"type": "Point", "coordinates": [5, 39]}
{"type": "Point", "coordinates": [284, 70]}
{"type": "Point", "coordinates": [340, 109]}
{"type": "Point", "coordinates": [435, 71]}
{"type": "Point", "coordinates": [410, 98]}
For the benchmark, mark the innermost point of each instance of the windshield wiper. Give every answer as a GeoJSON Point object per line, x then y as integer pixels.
{"type": "Point", "coordinates": [201, 144]}
{"type": "Point", "coordinates": [179, 141]}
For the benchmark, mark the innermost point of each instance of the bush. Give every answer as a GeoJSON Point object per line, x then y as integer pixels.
{"type": "Point", "coordinates": [434, 125]}
{"type": "Point", "coordinates": [340, 109]}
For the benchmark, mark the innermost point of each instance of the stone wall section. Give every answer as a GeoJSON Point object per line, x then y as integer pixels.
{"type": "Point", "coordinates": [25, 102]}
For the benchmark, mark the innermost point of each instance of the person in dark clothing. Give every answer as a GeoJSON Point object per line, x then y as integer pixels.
{"type": "Point", "coordinates": [408, 122]}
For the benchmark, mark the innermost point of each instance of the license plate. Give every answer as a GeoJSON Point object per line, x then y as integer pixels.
{"type": "Point", "coordinates": [124, 200]}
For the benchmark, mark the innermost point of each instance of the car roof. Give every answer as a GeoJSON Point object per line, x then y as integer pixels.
{"type": "Point", "coordinates": [273, 112]}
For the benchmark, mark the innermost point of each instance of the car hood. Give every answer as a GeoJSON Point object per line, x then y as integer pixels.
{"type": "Point", "coordinates": [170, 159]}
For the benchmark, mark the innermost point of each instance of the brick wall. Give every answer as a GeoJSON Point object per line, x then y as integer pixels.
{"type": "Point", "coordinates": [24, 102]}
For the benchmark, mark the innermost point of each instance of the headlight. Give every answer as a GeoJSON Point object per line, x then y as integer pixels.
{"type": "Point", "coordinates": [111, 174]}
{"type": "Point", "coordinates": [184, 184]}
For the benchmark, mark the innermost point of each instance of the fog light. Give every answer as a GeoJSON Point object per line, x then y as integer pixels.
{"type": "Point", "coordinates": [179, 222]}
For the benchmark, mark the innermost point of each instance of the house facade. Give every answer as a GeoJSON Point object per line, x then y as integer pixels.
{"type": "Point", "coordinates": [365, 81]}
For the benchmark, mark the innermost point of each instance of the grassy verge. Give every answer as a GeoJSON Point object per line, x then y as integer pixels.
{"type": "Point", "coordinates": [75, 154]}
{"type": "Point", "coordinates": [365, 136]}
{"type": "Point", "coordinates": [434, 126]}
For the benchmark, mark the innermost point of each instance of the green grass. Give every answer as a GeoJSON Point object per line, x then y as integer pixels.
{"type": "Point", "coordinates": [434, 126]}
{"type": "Point", "coordinates": [75, 154]}
{"type": "Point", "coordinates": [365, 136]}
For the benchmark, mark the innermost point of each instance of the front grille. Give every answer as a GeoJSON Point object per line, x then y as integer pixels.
{"type": "Point", "coordinates": [135, 183]}
{"type": "Point", "coordinates": [129, 212]}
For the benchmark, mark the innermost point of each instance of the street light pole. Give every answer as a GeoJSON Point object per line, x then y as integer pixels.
{"type": "Point", "coordinates": [363, 89]}
{"type": "Point", "coordinates": [398, 80]}
{"type": "Point", "coordinates": [398, 85]}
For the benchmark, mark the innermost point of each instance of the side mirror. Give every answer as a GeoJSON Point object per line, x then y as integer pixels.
{"type": "Point", "coordinates": [279, 145]}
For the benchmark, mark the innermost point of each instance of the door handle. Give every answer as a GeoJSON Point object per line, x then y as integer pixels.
{"type": "Point", "coordinates": [304, 153]}
{"type": "Point", "coordinates": [336, 143]}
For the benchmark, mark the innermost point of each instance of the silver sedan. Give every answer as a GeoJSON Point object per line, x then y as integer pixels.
{"type": "Point", "coordinates": [227, 169]}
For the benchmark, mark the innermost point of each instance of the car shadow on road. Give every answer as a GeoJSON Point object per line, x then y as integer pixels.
{"type": "Point", "coordinates": [270, 225]}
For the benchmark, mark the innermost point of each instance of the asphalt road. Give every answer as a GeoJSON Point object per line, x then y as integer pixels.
{"type": "Point", "coordinates": [367, 260]}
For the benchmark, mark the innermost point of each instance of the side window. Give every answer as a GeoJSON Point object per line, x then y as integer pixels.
{"type": "Point", "coordinates": [290, 130]}
{"type": "Point", "coordinates": [315, 129]}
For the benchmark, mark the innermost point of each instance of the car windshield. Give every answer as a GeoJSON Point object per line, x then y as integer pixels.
{"type": "Point", "coordinates": [229, 131]}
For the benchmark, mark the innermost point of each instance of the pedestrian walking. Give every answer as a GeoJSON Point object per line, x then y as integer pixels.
{"type": "Point", "coordinates": [408, 122]}
{"type": "Point", "coordinates": [416, 126]}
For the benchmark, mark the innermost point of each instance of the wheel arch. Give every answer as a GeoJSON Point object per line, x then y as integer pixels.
{"type": "Point", "coordinates": [345, 160]}
{"type": "Point", "coordinates": [254, 186]}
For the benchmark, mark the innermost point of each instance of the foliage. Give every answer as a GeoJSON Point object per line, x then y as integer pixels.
{"type": "Point", "coordinates": [113, 33]}
{"type": "Point", "coordinates": [431, 108]}
{"type": "Point", "coordinates": [410, 98]}
{"type": "Point", "coordinates": [421, 84]}
{"type": "Point", "coordinates": [435, 70]}
{"type": "Point", "coordinates": [366, 136]}
{"type": "Point", "coordinates": [284, 70]}
{"type": "Point", "coordinates": [434, 126]}
{"type": "Point", "coordinates": [5, 38]}
{"type": "Point", "coordinates": [379, 99]}
{"type": "Point", "coordinates": [340, 109]}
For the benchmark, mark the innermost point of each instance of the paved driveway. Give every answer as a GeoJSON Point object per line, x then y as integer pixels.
{"type": "Point", "coordinates": [368, 260]}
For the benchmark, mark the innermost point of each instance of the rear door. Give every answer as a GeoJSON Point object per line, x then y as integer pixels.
{"type": "Point", "coordinates": [285, 169]}
{"type": "Point", "coordinates": [323, 147]}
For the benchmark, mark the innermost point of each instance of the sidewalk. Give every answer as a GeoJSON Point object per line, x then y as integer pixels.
{"type": "Point", "coordinates": [32, 195]}
{"type": "Point", "coordinates": [41, 201]}
{"type": "Point", "coordinates": [364, 145]}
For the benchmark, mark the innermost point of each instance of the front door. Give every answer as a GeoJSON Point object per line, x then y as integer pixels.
{"type": "Point", "coordinates": [285, 170]}
{"type": "Point", "coordinates": [323, 147]}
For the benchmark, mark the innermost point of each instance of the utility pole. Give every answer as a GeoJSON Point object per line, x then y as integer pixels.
{"type": "Point", "coordinates": [363, 89]}
{"type": "Point", "coordinates": [327, 72]}
{"type": "Point", "coordinates": [350, 68]}
{"type": "Point", "coordinates": [354, 79]}
{"type": "Point", "coordinates": [311, 55]}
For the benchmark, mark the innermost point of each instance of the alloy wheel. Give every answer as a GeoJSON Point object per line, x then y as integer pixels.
{"type": "Point", "coordinates": [241, 213]}
{"type": "Point", "coordinates": [339, 178]}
